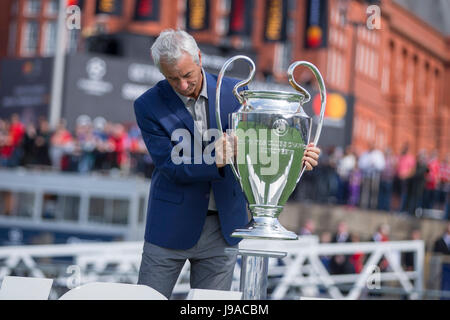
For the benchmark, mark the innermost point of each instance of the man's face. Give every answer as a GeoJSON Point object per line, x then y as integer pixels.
{"type": "Point", "coordinates": [185, 76]}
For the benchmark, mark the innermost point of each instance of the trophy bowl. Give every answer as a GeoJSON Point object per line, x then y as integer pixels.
{"type": "Point", "coordinates": [272, 133]}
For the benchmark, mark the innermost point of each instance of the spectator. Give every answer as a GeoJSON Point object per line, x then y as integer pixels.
{"type": "Point", "coordinates": [5, 144]}
{"type": "Point", "coordinates": [84, 145]}
{"type": "Point", "coordinates": [29, 146]}
{"type": "Point", "coordinates": [357, 259]}
{"type": "Point", "coordinates": [103, 152]}
{"type": "Point", "coordinates": [418, 183]}
{"type": "Point", "coordinates": [444, 193]}
{"type": "Point", "coordinates": [61, 143]}
{"type": "Point", "coordinates": [442, 244]}
{"type": "Point", "coordinates": [340, 264]}
{"type": "Point", "coordinates": [371, 163]}
{"type": "Point", "coordinates": [432, 179]}
{"type": "Point", "coordinates": [387, 181]}
{"type": "Point", "coordinates": [119, 140]}
{"type": "Point", "coordinates": [405, 172]}
{"type": "Point", "coordinates": [325, 237]}
{"type": "Point", "coordinates": [16, 133]}
{"type": "Point", "coordinates": [382, 235]}
{"type": "Point", "coordinates": [345, 166]}
{"type": "Point", "coordinates": [42, 143]}
{"type": "Point", "coordinates": [355, 180]}
{"type": "Point", "coordinates": [408, 257]}
{"type": "Point", "coordinates": [308, 228]}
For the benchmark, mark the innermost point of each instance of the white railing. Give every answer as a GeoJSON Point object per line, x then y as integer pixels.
{"type": "Point", "coordinates": [301, 269]}
{"type": "Point", "coordinates": [304, 269]}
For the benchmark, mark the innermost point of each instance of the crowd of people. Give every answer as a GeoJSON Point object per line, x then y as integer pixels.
{"type": "Point", "coordinates": [372, 179]}
{"type": "Point", "coordinates": [380, 180]}
{"type": "Point", "coordinates": [94, 145]}
{"type": "Point", "coordinates": [349, 264]}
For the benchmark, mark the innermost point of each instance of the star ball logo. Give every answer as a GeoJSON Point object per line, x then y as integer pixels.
{"type": "Point", "coordinates": [314, 36]}
{"type": "Point", "coordinates": [280, 127]}
{"type": "Point", "coordinates": [335, 111]}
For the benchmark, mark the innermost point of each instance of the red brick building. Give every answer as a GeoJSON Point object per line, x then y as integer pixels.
{"type": "Point", "coordinates": [398, 74]}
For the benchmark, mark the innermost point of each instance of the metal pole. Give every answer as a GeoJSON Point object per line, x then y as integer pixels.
{"type": "Point", "coordinates": [253, 283]}
{"type": "Point", "coordinates": [58, 68]}
{"type": "Point", "coordinates": [254, 271]}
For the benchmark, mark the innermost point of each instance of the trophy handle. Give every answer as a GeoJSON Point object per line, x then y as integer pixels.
{"type": "Point", "coordinates": [323, 91]}
{"type": "Point", "coordinates": [236, 94]}
{"type": "Point", "coordinates": [323, 95]}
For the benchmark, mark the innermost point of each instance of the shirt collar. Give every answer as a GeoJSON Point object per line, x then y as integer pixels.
{"type": "Point", "coordinates": [203, 92]}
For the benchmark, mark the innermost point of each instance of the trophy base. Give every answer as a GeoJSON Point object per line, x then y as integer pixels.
{"type": "Point", "coordinates": [264, 228]}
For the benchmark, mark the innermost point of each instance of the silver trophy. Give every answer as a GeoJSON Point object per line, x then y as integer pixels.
{"type": "Point", "coordinates": [272, 133]}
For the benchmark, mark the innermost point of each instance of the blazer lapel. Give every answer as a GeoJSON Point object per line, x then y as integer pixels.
{"type": "Point", "coordinates": [177, 107]}
{"type": "Point", "coordinates": [212, 85]}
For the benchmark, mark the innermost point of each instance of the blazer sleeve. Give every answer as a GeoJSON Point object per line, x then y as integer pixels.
{"type": "Point", "coordinates": [160, 146]}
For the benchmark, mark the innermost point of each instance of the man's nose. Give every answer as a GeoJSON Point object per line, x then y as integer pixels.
{"type": "Point", "coordinates": [183, 85]}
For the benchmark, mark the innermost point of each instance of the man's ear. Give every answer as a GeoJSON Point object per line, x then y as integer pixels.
{"type": "Point", "coordinates": [199, 58]}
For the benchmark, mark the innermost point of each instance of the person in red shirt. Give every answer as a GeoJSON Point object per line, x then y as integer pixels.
{"type": "Point", "coordinates": [445, 186]}
{"type": "Point", "coordinates": [405, 172]}
{"type": "Point", "coordinates": [432, 179]}
{"type": "Point", "coordinates": [10, 144]}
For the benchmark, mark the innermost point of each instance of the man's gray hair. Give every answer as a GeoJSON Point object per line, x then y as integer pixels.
{"type": "Point", "coordinates": [171, 45]}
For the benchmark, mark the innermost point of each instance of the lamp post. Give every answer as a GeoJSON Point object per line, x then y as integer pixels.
{"type": "Point", "coordinates": [58, 67]}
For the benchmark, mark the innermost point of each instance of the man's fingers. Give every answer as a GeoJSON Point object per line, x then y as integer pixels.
{"type": "Point", "coordinates": [307, 166]}
{"type": "Point", "coordinates": [312, 154]}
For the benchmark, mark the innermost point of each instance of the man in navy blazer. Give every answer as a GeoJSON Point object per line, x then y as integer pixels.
{"type": "Point", "coordinates": [194, 204]}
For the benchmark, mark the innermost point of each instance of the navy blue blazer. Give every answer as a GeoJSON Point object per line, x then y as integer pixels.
{"type": "Point", "coordinates": [179, 194]}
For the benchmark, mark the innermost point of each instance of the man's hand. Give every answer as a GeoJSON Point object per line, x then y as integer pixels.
{"type": "Point", "coordinates": [225, 150]}
{"type": "Point", "coordinates": [311, 156]}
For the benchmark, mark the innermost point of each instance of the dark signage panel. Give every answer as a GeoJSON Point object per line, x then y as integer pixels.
{"type": "Point", "coordinates": [338, 119]}
{"type": "Point", "coordinates": [275, 22]}
{"type": "Point", "coordinates": [240, 21]}
{"type": "Point", "coordinates": [25, 86]}
{"type": "Point", "coordinates": [110, 7]}
{"type": "Point", "coordinates": [146, 10]}
{"type": "Point", "coordinates": [99, 85]}
{"type": "Point", "coordinates": [197, 15]}
{"type": "Point", "coordinates": [316, 28]}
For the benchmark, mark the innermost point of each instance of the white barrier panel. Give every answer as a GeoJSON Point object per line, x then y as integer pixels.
{"type": "Point", "coordinates": [302, 268]}
{"type": "Point", "coordinates": [113, 291]}
{"type": "Point", "coordinates": [206, 294]}
{"type": "Point", "coordinates": [22, 288]}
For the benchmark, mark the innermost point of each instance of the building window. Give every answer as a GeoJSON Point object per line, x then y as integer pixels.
{"type": "Point", "coordinates": [15, 8]}
{"type": "Point", "coordinates": [49, 38]}
{"type": "Point", "coordinates": [33, 7]}
{"type": "Point", "coordinates": [30, 38]}
{"type": "Point", "coordinates": [12, 38]}
{"type": "Point", "coordinates": [52, 8]}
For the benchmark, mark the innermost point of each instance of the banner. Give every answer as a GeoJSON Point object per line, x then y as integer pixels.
{"type": "Point", "coordinates": [25, 86]}
{"type": "Point", "coordinates": [338, 119]}
{"type": "Point", "coordinates": [110, 7]}
{"type": "Point", "coordinates": [197, 15]}
{"type": "Point", "coordinates": [316, 29]}
{"type": "Point", "coordinates": [240, 22]}
{"type": "Point", "coordinates": [146, 10]}
{"type": "Point", "coordinates": [276, 20]}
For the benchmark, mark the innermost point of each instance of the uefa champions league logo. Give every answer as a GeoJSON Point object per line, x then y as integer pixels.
{"type": "Point", "coordinates": [280, 127]}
